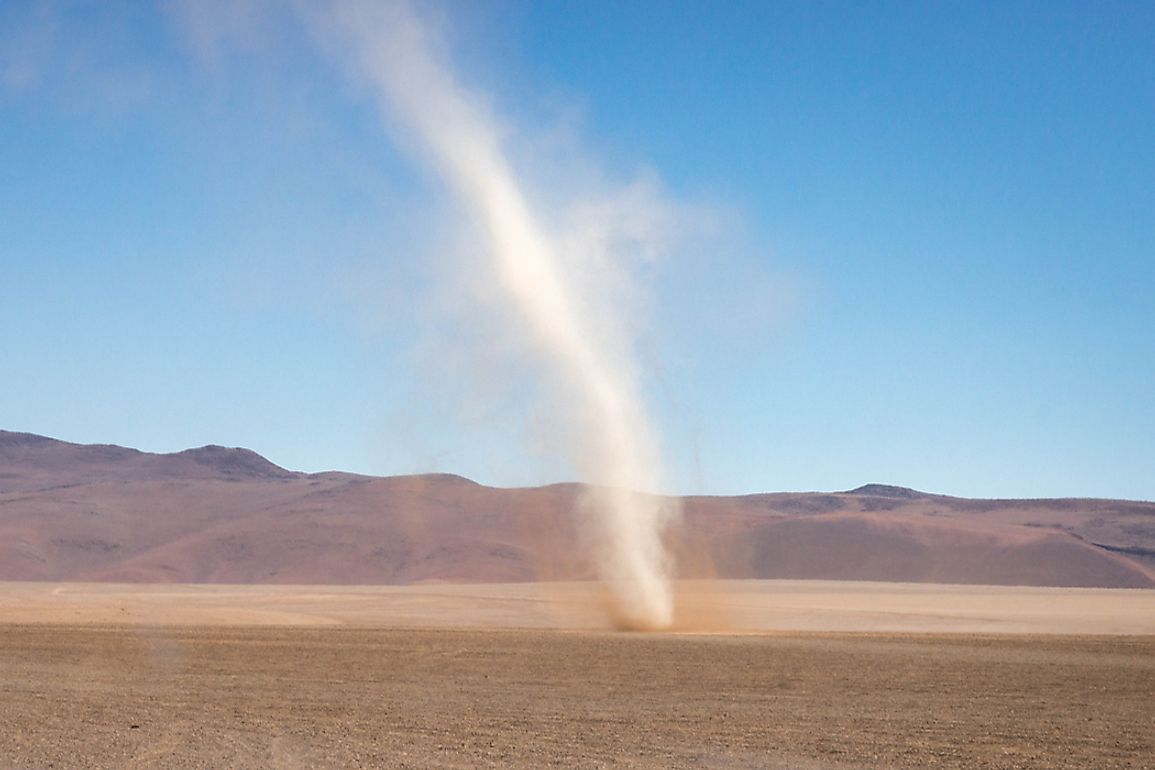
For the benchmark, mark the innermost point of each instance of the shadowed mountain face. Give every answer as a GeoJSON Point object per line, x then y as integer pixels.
{"type": "Point", "coordinates": [228, 515]}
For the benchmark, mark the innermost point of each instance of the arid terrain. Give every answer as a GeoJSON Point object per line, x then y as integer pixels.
{"type": "Point", "coordinates": [209, 609]}
{"type": "Point", "coordinates": [470, 676]}
{"type": "Point", "coordinates": [715, 606]}
{"type": "Point", "coordinates": [220, 515]}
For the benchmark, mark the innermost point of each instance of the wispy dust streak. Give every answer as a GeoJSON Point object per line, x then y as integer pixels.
{"type": "Point", "coordinates": [612, 443]}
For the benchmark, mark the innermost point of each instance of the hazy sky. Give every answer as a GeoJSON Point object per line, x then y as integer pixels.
{"type": "Point", "coordinates": [914, 243]}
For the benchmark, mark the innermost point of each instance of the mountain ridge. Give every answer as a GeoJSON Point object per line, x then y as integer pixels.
{"type": "Point", "coordinates": [228, 514]}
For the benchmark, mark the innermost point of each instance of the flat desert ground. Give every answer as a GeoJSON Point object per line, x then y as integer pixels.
{"type": "Point", "coordinates": [756, 674]}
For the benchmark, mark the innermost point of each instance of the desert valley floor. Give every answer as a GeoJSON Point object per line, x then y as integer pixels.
{"type": "Point", "coordinates": [760, 674]}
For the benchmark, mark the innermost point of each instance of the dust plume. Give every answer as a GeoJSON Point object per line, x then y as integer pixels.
{"type": "Point", "coordinates": [550, 281]}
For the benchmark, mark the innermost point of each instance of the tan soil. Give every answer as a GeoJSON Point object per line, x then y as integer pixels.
{"type": "Point", "coordinates": [753, 606]}
{"type": "Point", "coordinates": [95, 696]}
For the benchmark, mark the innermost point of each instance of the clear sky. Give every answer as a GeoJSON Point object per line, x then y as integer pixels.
{"type": "Point", "coordinates": [920, 250]}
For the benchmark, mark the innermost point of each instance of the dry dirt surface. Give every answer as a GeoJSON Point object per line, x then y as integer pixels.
{"type": "Point", "coordinates": [472, 676]}
{"type": "Point", "coordinates": [730, 606]}
{"type": "Point", "coordinates": [268, 697]}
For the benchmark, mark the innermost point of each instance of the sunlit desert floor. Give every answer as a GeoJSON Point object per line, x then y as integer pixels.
{"type": "Point", "coordinates": [730, 606]}
{"type": "Point", "coordinates": [762, 674]}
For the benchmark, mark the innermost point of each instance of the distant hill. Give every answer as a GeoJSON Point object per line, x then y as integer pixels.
{"type": "Point", "coordinates": [228, 515]}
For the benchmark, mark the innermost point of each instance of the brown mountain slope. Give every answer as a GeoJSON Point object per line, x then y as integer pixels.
{"type": "Point", "coordinates": [74, 512]}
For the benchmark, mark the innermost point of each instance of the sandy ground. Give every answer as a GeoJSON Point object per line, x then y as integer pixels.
{"type": "Point", "coordinates": [807, 676]}
{"type": "Point", "coordinates": [735, 606]}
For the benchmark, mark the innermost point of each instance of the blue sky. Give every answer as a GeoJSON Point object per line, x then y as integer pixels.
{"type": "Point", "coordinates": [929, 257]}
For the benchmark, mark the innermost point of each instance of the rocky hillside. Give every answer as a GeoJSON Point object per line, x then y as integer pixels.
{"type": "Point", "coordinates": [215, 514]}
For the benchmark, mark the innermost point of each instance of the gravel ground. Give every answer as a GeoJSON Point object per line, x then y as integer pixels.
{"type": "Point", "coordinates": [266, 697]}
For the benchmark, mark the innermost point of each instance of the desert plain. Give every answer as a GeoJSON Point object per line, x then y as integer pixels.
{"type": "Point", "coordinates": [757, 674]}
{"type": "Point", "coordinates": [210, 609]}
